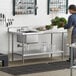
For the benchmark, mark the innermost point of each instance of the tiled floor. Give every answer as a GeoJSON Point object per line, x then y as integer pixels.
{"type": "Point", "coordinates": [65, 72]}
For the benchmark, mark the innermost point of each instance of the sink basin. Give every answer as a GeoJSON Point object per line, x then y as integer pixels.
{"type": "Point", "coordinates": [29, 31]}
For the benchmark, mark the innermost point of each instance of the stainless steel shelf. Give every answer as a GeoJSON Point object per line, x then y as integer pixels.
{"type": "Point", "coordinates": [38, 52]}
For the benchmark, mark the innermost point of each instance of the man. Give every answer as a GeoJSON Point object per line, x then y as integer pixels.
{"type": "Point", "coordinates": [72, 23]}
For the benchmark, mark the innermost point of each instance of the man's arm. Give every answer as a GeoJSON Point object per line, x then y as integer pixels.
{"type": "Point", "coordinates": [69, 24]}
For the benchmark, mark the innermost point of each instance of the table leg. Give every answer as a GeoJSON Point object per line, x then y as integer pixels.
{"type": "Point", "coordinates": [23, 49]}
{"type": "Point", "coordinates": [51, 43]}
{"type": "Point", "coordinates": [71, 63]}
{"type": "Point", "coordinates": [62, 45]}
{"type": "Point", "coordinates": [8, 45]}
{"type": "Point", "coordinates": [12, 48]}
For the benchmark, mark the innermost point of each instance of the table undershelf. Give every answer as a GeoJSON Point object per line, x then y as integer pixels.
{"type": "Point", "coordinates": [38, 52]}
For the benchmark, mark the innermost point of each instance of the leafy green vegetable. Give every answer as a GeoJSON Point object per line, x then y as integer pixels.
{"type": "Point", "coordinates": [48, 27]}
{"type": "Point", "coordinates": [58, 21]}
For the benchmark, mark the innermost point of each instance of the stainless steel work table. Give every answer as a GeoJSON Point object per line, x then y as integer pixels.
{"type": "Point", "coordinates": [49, 52]}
